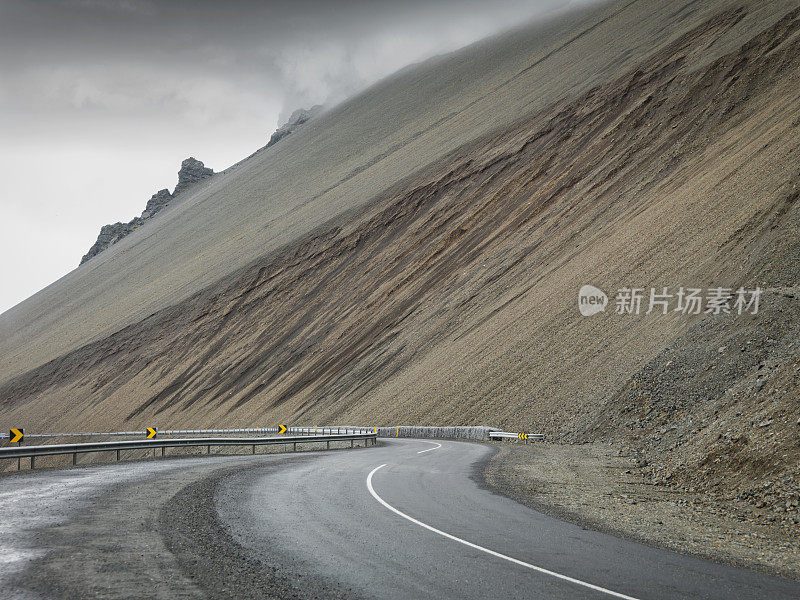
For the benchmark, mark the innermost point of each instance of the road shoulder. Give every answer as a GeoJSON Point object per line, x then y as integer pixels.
{"type": "Point", "coordinates": [210, 557]}
{"type": "Point", "coordinates": [111, 548]}
{"type": "Point", "coordinates": [592, 485]}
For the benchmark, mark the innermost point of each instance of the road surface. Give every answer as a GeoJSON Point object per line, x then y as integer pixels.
{"type": "Point", "coordinates": [407, 519]}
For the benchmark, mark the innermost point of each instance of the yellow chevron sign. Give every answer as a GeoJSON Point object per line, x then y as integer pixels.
{"type": "Point", "coordinates": [151, 432]}
{"type": "Point", "coordinates": [16, 435]}
{"type": "Point", "coordinates": [281, 428]}
{"type": "Point", "coordinates": [522, 436]}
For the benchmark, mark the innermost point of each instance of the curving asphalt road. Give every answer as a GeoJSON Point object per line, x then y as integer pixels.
{"type": "Point", "coordinates": [409, 519]}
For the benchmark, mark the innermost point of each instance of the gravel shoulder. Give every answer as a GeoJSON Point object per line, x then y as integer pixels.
{"type": "Point", "coordinates": [111, 546]}
{"type": "Point", "coordinates": [597, 487]}
{"type": "Point", "coordinates": [149, 537]}
{"type": "Point", "coordinates": [210, 557]}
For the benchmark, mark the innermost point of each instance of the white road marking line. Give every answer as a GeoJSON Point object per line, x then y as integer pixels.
{"type": "Point", "coordinates": [482, 549]}
{"type": "Point", "coordinates": [429, 449]}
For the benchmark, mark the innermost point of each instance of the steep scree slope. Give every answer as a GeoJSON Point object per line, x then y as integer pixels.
{"type": "Point", "coordinates": [340, 161]}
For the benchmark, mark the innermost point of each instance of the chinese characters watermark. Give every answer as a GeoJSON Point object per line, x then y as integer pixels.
{"type": "Point", "coordinates": [687, 301]}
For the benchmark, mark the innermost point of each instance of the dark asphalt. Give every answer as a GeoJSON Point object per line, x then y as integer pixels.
{"type": "Point", "coordinates": [307, 526]}
{"type": "Point", "coordinates": [320, 514]}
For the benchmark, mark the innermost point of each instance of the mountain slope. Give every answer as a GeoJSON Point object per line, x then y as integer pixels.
{"type": "Point", "coordinates": [340, 161]}
{"type": "Point", "coordinates": [460, 270]}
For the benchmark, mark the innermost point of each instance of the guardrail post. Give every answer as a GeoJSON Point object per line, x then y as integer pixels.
{"type": "Point", "coordinates": [162, 451]}
{"type": "Point", "coordinates": [208, 449]}
{"type": "Point", "coordinates": [351, 443]}
{"type": "Point", "coordinates": [117, 454]}
{"type": "Point", "coordinates": [254, 448]}
{"type": "Point", "coordinates": [33, 463]}
{"type": "Point", "coordinates": [74, 458]}
{"type": "Point", "coordinates": [294, 446]}
{"type": "Point", "coordinates": [328, 443]}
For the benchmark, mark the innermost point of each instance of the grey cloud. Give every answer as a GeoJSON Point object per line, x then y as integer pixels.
{"type": "Point", "coordinates": [128, 56]}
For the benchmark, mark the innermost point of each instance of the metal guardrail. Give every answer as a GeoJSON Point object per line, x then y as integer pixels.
{"type": "Point", "coordinates": [139, 432]}
{"type": "Point", "coordinates": [20, 452]}
{"type": "Point", "coordinates": [301, 430]}
{"type": "Point", "coordinates": [519, 436]}
{"type": "Point", "coordinates": [331, 430]}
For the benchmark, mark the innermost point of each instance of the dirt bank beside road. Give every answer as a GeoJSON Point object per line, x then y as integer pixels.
{"type": "Point", "coordinates": [598, 487]}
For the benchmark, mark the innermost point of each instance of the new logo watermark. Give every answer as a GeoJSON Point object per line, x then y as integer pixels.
{"type": "Point", "coordinates": [591, 300]}
{"type": "Point", "coordinates": [685, 300]}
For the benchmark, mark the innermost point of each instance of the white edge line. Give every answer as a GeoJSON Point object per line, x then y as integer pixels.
{"type": "Point", "coordinates": [482, 549]}
{"type": "Point", "coordinates": [438, 445]}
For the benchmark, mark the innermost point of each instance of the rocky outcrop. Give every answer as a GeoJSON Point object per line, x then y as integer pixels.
{"type": "Point", "coordinates": [192, 171]}
{"type": "Point", "coordinates": [298, 118]}
{"type": "Point", "coordinates": [158, 201]}
{"type": "Point", "coordinates": [111, 234]}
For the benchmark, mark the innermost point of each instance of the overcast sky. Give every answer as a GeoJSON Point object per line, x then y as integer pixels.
{"type": "Point", "coordinates": [100, 100]}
